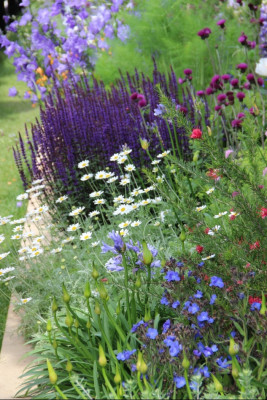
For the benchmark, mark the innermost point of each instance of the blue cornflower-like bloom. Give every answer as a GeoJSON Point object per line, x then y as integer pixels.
{"type": "Point", "coordinates": [186, 305]}
{"type": "Point", "coordinates": [152, 333]}
{"type": "Point", "coordinates": [172, 276]}
{"type": "Point", "coordinates": [175, 304]}
{"type": "Point", "coordinates": [198, 294]}
{"type": "Point", "coordinates": [169, 340]}
{"type": "Point", "coordinates": [255, 306]}
{"type": "Point", "coordinates": [193, 308]}
{"type": "Point", "coordinates": [213, 298]}
{"type": "Point", "coordinates": [179, 381]}
{"type": "Point", "coordinates": [125, 355]}
{"type": "Point", "coordinates": [201, 264]}
{"type": "Point", "coordinates": [166, 326]}
{"type": "Point", "coordinates": [216, 281]}
{"type": "Point", "coordinates": [135, 326]}
{"type": "Point", "coordinates": [203, 316]}
{"type": "Point", "coordinates": [133, 367]}
{"type": "Point", "coordinates": [222, 363]}
{"type": "Point", "coordinates": [161, 109]}
{"type": "Point", "coordinates": [205, 372]}
{"type": "Point", "coordinates": [233, 333]}
{"type": "Point", "coordinates": [164, 301]}
{"type": "Point", "coordinates": [175, 348]}
{"type": "Point", "coordinates": [241, 295]}
{"type": "Point", "coordinates": [118, 243]}
{"type": "Point", "coordinates": [180, 264]}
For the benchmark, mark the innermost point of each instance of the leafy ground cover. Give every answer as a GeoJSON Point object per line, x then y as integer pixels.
{"type": "Point", "coordinates": [14, 113]}
{"type": "Point", "coordinates": [153, 281]}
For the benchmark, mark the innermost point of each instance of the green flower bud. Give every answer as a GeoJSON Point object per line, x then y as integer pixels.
{"type": "Point", "coordinates": [102, 358]}
{"type": "Point", "coordinates": [69, 319]}
{"type": "Point", "coordinates": [185, 362]}
{"type": "Point", "coordinates": [143, 367]}
{"type": "Point", "coordinates": [235, 372]}
{"type": "Point", "coordinates": [138, 281]}
{"type": "Point", "coordinates": [49, 326]}
{"type": "Point", "coordinates": [87, 290]}
{"type": "Point", "coordinates": [102, 291]}
{"type": "Point", "coordinates": [118, 308]}
{"type": "Point", "coordinates": [139, 360]}
{"type": "Point", "coordinates": [88, 324]}
{"type": "Point", "coordinates": [54, 305]}
{"type": "Point", "coordinates": [117, 377]}
{"type": "Point", "coordinates": [121, 391]}
{"type": "Point", "coordinates": [217, 383]}
{"type": "Point", "coordinates": [69, 366]}
{"type": "Point", "coordinates": [51, 372]}
{"type": "Point", "coordinates": [263, 305]}
{"type": "Point", "coordinates": [233, 347]}
{"type": "Point", "coordinates": [147, 255]}
{"type": "Point", "coordinates": [147, 316]}
{"type": "Point", "coordinates": [54, 343]}
{"type": "Point", "coordinates": [97, 308]}
{"type": "Point", "coordinates": [95, 274]}
{"type": "Point", "coordinates": [195, 156]}
{"type": "Point", "coordinates": [144, 144]}
{"type": "Point", "coordinates": [182, 236]}
{"type": "Point", "coordinates": [66, 296]}
{"type": "Point", "coordinates": [76, 323]}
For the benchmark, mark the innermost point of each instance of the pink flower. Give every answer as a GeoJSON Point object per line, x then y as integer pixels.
{"type": "Point", "coordinates": [196, 134]}
{"type": "Point", "coordinates": [228, 152]}
{"type": "Point", "coordinates": [264, 172]}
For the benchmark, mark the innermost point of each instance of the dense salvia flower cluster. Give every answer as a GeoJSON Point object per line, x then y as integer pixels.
{"type": "Point", "coordinates": [263, 31]}
{"type": "Point", "coordinates": [62, 37]}
{"type": "Point", "coordinates": [92, 123]}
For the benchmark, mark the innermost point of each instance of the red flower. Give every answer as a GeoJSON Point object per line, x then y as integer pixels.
{"type": "Point", "coordinates": [263, 212]}
{"type": "Point", "coordinates": [213, 174]}
{"type": "Point", "coordinates": [255, 245]}
{"type": "Point", "coordinates": [252, 300]}
{"type": "Point", "coordinates": [232, 217]}
{"type": "Point", "coordinates": [199, 249]}
{"type": "Point", "coordinates": [196, 134]}
{"type": "Point", "coordinates": [207, 230]}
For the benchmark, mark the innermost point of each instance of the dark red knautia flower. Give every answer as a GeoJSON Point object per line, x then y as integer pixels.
{"type": "Point", "coordinates": [196, 134]}
{"type": "Point", "coordinates": [204, 33]}
{"type": "Point", "coordinates": [252, 300]}
{"type": "Point", "coordinates": [251, 78]}
{"type": "Point", "coordinates": [221, 98]}
{"type": "Point", "coordinates": [236, 123]}
{"type": "Point", "coordinates": [226, 77]}
{"type": "Point", "coordinates": [242, 67]}
{"type": "Point", "coordinates": [240, 96]}
{"type": "Point", "coordinates": [234, 82]}
{"type": "Point", "coordinates": [255, 246]}
{"type": "Point", "coordinates": [221, 23]}
{"type": "Point", "coordinates": [199, 249]}
{"type": "Point", "coordinates": [260, 81]}
{"type": "Point", "coordinates": [200, 93]}
{"type": "Point", "coordinates": [188, 71]}
{"type": "Point", "coordinates": [243, 39]}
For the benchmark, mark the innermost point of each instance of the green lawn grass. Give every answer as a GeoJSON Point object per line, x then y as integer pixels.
{"type": "Point", "coordinates": [14, 113]}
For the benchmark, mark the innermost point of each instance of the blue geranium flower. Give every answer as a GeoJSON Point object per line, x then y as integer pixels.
{"type": "Point", "coordinates": [172, 276]}
{"type": "Point", "coordinates": [175, 304]}
{"type": "Point", "coordinates": [198, 294]}
{"type": "Point", "coordinates": [135, 326]}
{"type": "Point", "coordinates": [179, 381]}
{"type": "Point", "coordinates": [175, 348]}
{"type": "Point", "coordinates": [193, 308]}
{"type": "Point", "coordinates": [125, 355]}
{"type": "Point", "coordinates": [213, 298]}
{"type": "Point", "coordinates": [166, 326]}
{"type": "Point", "coordinates": [222, 363]}
{"type": "Point", "coordinates": [152, 333]}
{"type": "Point", "coordinates": [164, 301]}
{"type": "Point", "coordinates": [216, 281]}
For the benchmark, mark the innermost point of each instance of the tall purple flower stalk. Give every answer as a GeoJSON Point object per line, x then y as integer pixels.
{"type": "Point", "coordinates": [263, 31]}
{"type": "Point", "coordinates": [89, 121]}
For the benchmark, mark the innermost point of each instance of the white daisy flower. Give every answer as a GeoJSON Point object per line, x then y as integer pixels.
{"type": "Point", "coordinates": [124, 224]}
{"type": "Point", "coordinates": [128, 200]}
{"type": "Point", "coordinates": [23, 250]}
{"type": "Point", "coordinates": [220, 214]}
{"type": "Point", "coordinates": [160, 179]}
{"type": "Point", "coordinates": [61, 199]}
{"type": "Point", "coordinates": [115, 157]}
{"type": "Point", "coordinates": [36, 253]}
{"type": "Point", "coordinates": [216, 228]}
{"type": "Point", "coordinates": [73, 228]}
{"type": "Point", "coordinates": [86, 177]}
{"type": "Point", "coordinates": [234, 214]}
{"type": "Point", "coordinates": [129, 168]}
{"type": "Point", "coordinates": [125, 152]}
{"type": "Point", "coordinates": [23, 196]}
{"type": "Point", "coordinates": [135, 206]}
{"type": "Point", "coordinates": [94, 244]}
{"type": "Point", "coordinates": [155, 170]}
{"type": "Point", "coordinates": [37, 181]}
{"type": "Point", "coordinates": [86, 236]}
{"type": "Point", "coordinates": [118, 199]}
{"type": "Point", "coordinates": [122, 209]}
{"type": "Point", "coordinates": [208, 258]}
{"type": "Point", "coordinates": [23, 258]}
{"type": "Point", "coordinates": [77, 211]}
{"type": "Point", "coordinates": [94, 213]}
{"type": "Point", "coordinates": [211, 233]}
{"type": "Point", "coordinates": [96, 194]}
{"type": "Point", "coordinates": [136, 192]}
{"type": "Point", "coordinates": [16, 237]}
{"type": "Point", "coordinates": [198, 209]}
{"type": "Point", "coordinates": [210, 190]}
{"type": "Point", "coordinates": [113, 179]}
{"type": "Point", "coordinates": [100, 175]}
{"type": "Point", "coordinates": [37, 218]}
{"type": "Point", "coordinates": [8, 278]}
{"type": "Point", "coordinates": [164, 154]}
{"type": "Point", "coordinates": [33, 249]}
{"type": "Point", "coordinates": [124, 232]}
{"type": "Point", "coordinates": [145, 202]}
{"type": "Point", "coordinates": [83, 164]}
{"type": "Point", "coordinates": [18, 228]}
{"type": "Point", "coordinates": [2, 238]}
{"type": "Point", "coordinates": [125, 181]}
{"type": "Point", "coordinates": [149, 188]}
{"type": "Point", "coordinates": [24, 301]}
{"type": "Point", "coordinates": [157, 200]}
{"type": "Point", "coordinates": [37, 194]}
{"type": "Point", "coordinates": [42, 209]}
{"type": "Point", "coordinates": [28, 234]}
{"type": "Point", "coordinates": [136, 223]}
{"type": "Point", "coordinates": [18, 221]}
{"type": "Point", "coordinates": [57, 250]}
{"type": "Point", "coordinates": [99, 201]}
{"type": "Point", "coordinates": [122, 160]}
{"type": "Point", "coordinates": [109, 175]}
{"type": "Point", "coordinates": [155, 162]}
{"type": "Point", "coordinates": [6, 270]}
{"type": "Point", "coordinates": [68, 239]}
{"type": "Point", "coordinates": [157, 223]}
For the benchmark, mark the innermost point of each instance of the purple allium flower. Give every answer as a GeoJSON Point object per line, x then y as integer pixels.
{"type": "Point", "coordinates": [223, 363]}
{"type": "Point", "coordinates": [216, 281]}
{"type": "Point", "coordinates": [240, 96]}
{"type": "Point", "coordinates": [152, 333]}
{"type": "Point", "coordinates": [166, 326]}
{"type": "Point", "coordinates": [125, 355]}
{"type": "Point", "coordinates": [242, 67]}
{"type": "Point", "coordinates": [172, 276]}
{"type": "Point", "coordinates": [12, 92]}
{"type": "Point", "coordinates": [135, 326]}
{"type": "Point", "coordinates": [213, 299]}
{"type": "Point", "coordinates": [204, 33]}
{"type": "Point", "coordinates": [175, 304]}
{"type": "Point", "coordinates": [221, 23]}
{"type": "Point", "coordinates": [179, 381]}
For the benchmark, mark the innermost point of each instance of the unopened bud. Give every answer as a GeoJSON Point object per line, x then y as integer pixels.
{"type": "Point", "coordinates": [95, 274]}
{"type": "Point", "coordinates": [147, 255]}
{"type": "Point", "coordinates": [143, 367]}
{"type": "Point", "coordinates": [69, 366]}
{"type": "Point", "coordinates": [118, 308]}
{"type": "Point", "coordinates": [102, 358]}
{"type": "Point", "coordinates": [138, 281]}
{"type": "Point", "coordinates": [51, 372]}
{"type": "Point", "coordinates": [69, 319]}
{"type": "Point", "coordinates": [76, 323]}
{"type": "Point", "coordinates": [54, 305]}
{"type": "Point", "coordinates": [54, 343]}
{"type": "Point", "coordinates": [182, 236]}
{"type": "Point", "coordinates": [147, 316]}
{"type": "Point", "coordinates": [217, 384]}
{"type": "Point", "coordinates": [87, 290]}
{"type": "Point", "coordinates": [117, 377]}
{"type": "Point", "coordinates": [66, 296]}
{"type": "Point", "coordinates": [103, 292]}
{"type": "Point", "coordinates": [233, 347]}
{"type": "Point", "coordinates": [139, 360]}
{"type": "Point", "coordinates": [209, 131]}
{"type": "Point", "coordinates": [144, 144]}
{"type": "Point", "coordinates": [195, 156]}
{"type": "Point", "coordinates": [88, 324]}
{"type": "Point", "coordinates": [185, 362]}
{"type": "Point", "coordinates": [97, 308]}
{"type": "Point", "coordinates": [49, 326]}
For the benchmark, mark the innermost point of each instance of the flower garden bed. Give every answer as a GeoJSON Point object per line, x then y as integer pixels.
{"type": "Point", "coordinates": [147, 276]}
